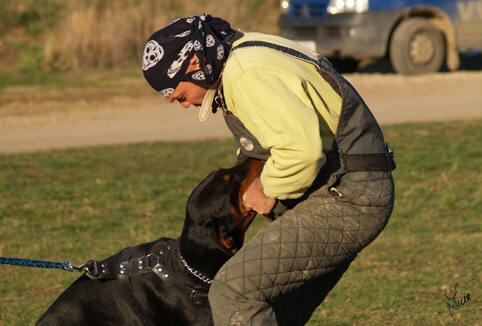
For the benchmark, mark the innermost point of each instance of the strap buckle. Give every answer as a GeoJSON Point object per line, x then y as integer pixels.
{"type": "Point", "coordinates": [389, 150]}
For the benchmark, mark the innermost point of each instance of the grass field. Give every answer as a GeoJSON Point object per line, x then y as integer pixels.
{"type": "Point", "coordinates": [88, 203]}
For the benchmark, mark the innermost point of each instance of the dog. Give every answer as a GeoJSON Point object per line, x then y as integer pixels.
{"type": "Point", "coordinates": [165, 282]}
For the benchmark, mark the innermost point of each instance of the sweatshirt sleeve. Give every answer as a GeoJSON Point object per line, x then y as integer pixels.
{"type": "Point", "coordinates": [277, 109]}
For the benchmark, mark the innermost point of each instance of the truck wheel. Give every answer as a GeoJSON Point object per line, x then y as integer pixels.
{"type": "Point", "coordinates": [417, 47]}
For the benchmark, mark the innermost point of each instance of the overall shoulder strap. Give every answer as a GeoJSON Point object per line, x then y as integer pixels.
{"type": "Point", "coordinates": [321, 63]}
{"type": "Point", "coordinates": [284, 49]}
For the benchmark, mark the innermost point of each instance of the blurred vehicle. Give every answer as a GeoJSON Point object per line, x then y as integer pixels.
{"type": "Point", "coordinates": [416, 36]}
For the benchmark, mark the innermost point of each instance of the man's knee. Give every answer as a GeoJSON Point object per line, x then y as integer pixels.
{"type": "Point", "coordinates": [232, 308]}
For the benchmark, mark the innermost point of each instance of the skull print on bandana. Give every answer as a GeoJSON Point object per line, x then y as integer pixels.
{"type": "Point", "coordinates": [178, 63]}
{"type": "Point", "coordinates": [168, 52]}
{"type": "Point", "coordinates": [152, 54]}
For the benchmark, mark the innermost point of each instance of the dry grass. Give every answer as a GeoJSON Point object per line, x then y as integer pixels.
{"type": "Point", "coordinates": [60, 34]}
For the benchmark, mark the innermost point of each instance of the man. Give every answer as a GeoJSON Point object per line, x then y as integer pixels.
{"type": "Point", "coordinates": [326, 183]}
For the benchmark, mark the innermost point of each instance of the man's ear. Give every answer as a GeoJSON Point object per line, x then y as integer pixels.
{"type": "Point", "coordinates": [193, 64]}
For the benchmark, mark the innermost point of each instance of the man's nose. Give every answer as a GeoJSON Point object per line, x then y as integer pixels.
{"type": "Point", "coordinates": [185, 104]}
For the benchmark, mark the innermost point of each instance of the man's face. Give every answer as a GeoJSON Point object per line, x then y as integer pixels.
{"type": "Point", "coordinates": [188, 93]}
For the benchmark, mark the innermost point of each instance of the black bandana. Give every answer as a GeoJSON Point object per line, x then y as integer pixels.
{"type": "Point", "coordinates": [169, 50]}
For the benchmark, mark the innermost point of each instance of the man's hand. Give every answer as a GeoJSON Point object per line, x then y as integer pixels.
{"type": "Point", "coordinates": [255, 199]}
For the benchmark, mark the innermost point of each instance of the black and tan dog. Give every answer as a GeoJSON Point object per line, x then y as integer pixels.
{"type": "Point", "coordinates": [165, 282]}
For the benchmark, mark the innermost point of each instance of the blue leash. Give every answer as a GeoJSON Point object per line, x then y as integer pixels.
{"type": "Point", "coordinates": [66, 266]}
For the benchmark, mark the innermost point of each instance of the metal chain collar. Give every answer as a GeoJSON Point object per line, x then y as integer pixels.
{"type": "Point", "coordinates": [194, 272]}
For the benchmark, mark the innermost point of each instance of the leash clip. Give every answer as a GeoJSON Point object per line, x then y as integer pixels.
{"type": "Point", "coordinates": [88, 268]}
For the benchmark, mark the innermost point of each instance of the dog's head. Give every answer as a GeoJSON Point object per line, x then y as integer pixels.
{"type": "Point", "coordinates": [216, 219]}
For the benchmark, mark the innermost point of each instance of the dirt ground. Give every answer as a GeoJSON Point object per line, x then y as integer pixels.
{"type": "Point", "coordinates": [39, 118]}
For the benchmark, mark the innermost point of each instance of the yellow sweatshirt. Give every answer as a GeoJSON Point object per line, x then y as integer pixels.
{"type": "Point", "coordinates": [287, 106]}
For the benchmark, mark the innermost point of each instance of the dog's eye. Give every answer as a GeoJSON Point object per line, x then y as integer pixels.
{"type": "Point", "coordinates": [225, 239]}
{"type": "Point", "coordinates": [230, 242]}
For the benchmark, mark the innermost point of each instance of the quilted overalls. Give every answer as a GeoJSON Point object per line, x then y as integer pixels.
{"type": "Point", "coordinates": [284, 273]}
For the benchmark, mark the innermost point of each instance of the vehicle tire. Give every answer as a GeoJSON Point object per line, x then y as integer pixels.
{"type": "Point", "coordinates": [417, 47]}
